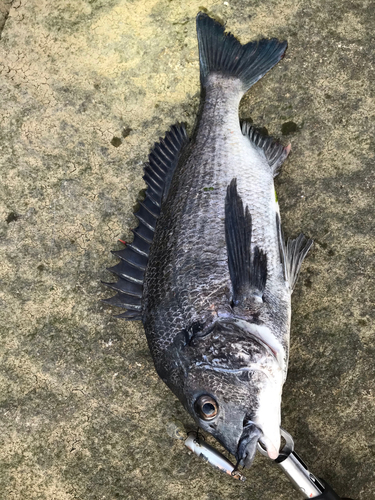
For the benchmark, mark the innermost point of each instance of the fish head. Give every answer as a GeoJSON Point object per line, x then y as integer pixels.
{"type": "Point", "coordinates": [233, 391]}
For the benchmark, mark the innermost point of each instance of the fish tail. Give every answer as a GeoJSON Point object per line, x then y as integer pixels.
{"type": "Point", "coordinates": [221, 52]}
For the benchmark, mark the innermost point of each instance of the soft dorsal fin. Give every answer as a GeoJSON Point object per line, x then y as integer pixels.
{"type": "Point", "coordinates": [130, 270]}
{"type": "Point", "coordinates": [274, 152]}
{"type": "Point", "coordinates": [292, 254]}
{"type": "Point", "coordinates": [248, 270]}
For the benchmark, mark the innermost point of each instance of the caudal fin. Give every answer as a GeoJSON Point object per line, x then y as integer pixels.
{"type": "Point", "coordinates": [223, 53]}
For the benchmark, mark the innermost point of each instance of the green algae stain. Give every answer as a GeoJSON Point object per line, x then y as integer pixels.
{"type": "Point", "coordinates": [126, 131]}
{"type": "Point", "coordinates": [11, 217]}
{"type": "Point", "coordinates": [116, 142]}
{"type": "Point", "coordinates": [289, 128]}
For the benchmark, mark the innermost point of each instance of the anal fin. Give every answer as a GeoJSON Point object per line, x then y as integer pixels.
{"type": "Point", "coordinates": [292, 254]}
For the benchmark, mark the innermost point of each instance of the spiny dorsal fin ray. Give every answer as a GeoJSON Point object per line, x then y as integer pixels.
{"type": "Point", "coordinates": [129, 255]}
{"type": "Point", "coordinates": [292, 254]}
{"type": "Point", "coordinates": [150, 206]}
{"type": "Point", "coordinates": [274, 152]}
{"type": "Point", "coordinates": [140, 245]}
{"type": "Point", "coordinates": [130, 315]}
{"type": "Point", "coordinates": [127, 271]}
{"type": "Point", "coordinates": [125, 286]}
{"type": "Point", "coordinates": [248, 270]}
{"type": "Point", "coordinates": [144, 232]}
{"type": "Point", "coordinates": [159, 171]}
{"type": "Point", "coordinates": [125, 301]}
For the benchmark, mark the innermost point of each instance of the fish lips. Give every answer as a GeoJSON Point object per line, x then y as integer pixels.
{"type": "Point", "coordinates": [247, 446]}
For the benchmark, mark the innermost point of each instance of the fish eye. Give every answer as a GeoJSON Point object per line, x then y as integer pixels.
{"type": "Point", "coordinates": [206, 407]}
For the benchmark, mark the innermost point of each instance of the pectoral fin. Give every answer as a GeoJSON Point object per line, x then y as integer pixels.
{"type": "Point", "coordinates": [247, 269]}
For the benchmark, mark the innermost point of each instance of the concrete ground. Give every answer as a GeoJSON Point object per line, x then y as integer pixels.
{"type": "Point", "coordinates": [86, 88]}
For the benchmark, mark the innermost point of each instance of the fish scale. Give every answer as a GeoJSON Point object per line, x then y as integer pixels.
{"type": "Point", "coordinates": [199, 245]}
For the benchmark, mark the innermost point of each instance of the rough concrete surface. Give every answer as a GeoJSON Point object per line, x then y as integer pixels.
{"type": "Point", "coordinates": [86, 88]}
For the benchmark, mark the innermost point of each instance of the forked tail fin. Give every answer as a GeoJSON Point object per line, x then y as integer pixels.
{"type": "Point", "coordinates": [223, 53]}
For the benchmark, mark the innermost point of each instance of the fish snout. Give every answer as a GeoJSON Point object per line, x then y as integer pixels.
{"type": "Point", "coordinates": [247, 446]}
{"type": "Point", "coordinates": [272, 446]}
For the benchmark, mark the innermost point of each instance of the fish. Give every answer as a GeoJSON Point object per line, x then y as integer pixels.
{"type": "Point", "coordinates": [209, 272]}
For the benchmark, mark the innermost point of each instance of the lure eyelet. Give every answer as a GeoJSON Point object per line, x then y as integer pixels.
{"type": "Point", "coordinates": [206, 407]}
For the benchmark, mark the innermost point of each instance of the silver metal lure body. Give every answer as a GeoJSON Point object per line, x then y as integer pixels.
{"type": "Point", "coordinates": [209, 454]}
{"type": "Point", "coordinates": [289, 462]}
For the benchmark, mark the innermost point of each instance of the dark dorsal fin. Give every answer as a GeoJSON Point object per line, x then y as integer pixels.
{"type": "Point", "coordinates": [292, 254]}
{"type": "Point", "coordinates": [130, 270]}
{"type": "Point", "coordinates": [274, 152]}
{"type": "Point", "coordinates": [248, 270]}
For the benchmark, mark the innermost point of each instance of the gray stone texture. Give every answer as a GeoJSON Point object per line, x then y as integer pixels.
{"type": "Point", "coordinates": [86, 88]}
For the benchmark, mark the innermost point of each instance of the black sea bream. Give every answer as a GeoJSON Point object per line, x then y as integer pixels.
{"type": "Point", "coordinates": [208, 272]}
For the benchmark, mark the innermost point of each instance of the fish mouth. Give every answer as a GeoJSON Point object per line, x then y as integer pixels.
{"type": "Point", "coordinates": [247, 446]}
